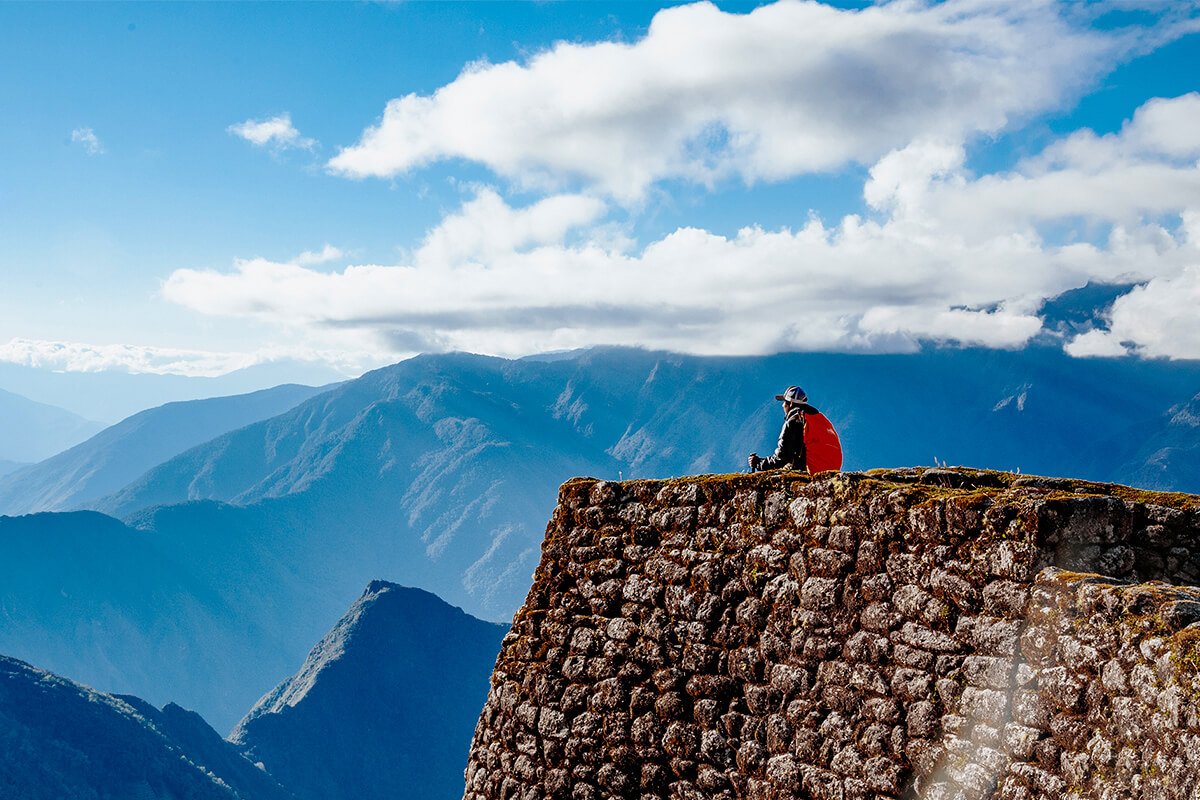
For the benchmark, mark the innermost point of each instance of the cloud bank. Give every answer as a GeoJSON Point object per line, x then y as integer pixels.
{"type": "Point", "coordinates": [947, 256]}
{"type": "Point", "coordinates": [80, 357]}
{"type": "Point", "coordinates": [789, 88]}
{"type": "Point", "coordinates": [143, 359]}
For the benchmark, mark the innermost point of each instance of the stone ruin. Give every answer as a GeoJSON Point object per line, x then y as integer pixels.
{"type": "Point", "coordinates": [895, 634]}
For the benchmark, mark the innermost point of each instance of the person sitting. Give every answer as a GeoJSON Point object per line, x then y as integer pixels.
{"type": "Point", "coordinates": [790, 452]}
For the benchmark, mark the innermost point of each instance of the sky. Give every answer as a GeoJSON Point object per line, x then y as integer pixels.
{"type": "Point", "coordinates": [195, 188]}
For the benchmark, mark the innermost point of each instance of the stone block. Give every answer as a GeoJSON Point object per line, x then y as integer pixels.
{"type": "Point", "coordinates": [989, 672]}
{"type": "Point", "coordinates": [820, 593]}
{"type": "Point", "coordinates": [926, 639]}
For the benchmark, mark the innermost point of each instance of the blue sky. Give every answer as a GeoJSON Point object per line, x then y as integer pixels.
{"type": "Point", "coordinates": [517, 177]}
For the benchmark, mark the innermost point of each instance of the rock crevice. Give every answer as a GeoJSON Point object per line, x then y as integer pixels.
{"type": "Point", "coordinates": [911, 633]}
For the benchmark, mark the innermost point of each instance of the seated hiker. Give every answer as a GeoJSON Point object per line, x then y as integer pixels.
{"type": "Point", "coordinates": [790, 452]}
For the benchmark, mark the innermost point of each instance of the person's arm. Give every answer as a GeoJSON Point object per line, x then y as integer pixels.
{"type": "Point", "coordinates": [790, 449]}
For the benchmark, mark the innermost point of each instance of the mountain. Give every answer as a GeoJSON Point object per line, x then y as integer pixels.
{"type": "Point", "coordinates": [123, 452]}
{"type": "Point", "coordinates": [10, 466]}
{"type": "Point", "coordinates": [59, 739]}
{"type": "Point", "coordinates": [1167, 455]}
{"type": "Point", "coordinates": [384, 706]}
{"type": "Point", "coordinates": [440, 472]}
{"type": "Point", "coordinates": [110, 395]}
{"type": "Point", "coordinates": [658, 414]}
{"type": "Point", "coordinates": [31, 431]}
{"type": "Point", "coordinates": [1080, 310]}
{"type": "Point", "coordinates": [437, 471]}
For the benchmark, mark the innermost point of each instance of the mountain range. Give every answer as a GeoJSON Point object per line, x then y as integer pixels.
{"type": "Point", "coordinates": [384, 706]}
{"type": "Point", "coordinates": [440, 472]}
{"type": "Point", "coordinates": [31, 431]}
{"type": "Point", "coordinates": [84, 595]}
{"type": "Point", "coordinates": [121, 453]}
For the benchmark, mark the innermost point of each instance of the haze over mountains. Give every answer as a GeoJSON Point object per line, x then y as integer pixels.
{"type": "Point", "coordinates": [85, 596]}
{"type": "Point", "coordinates": [121, 453]}
{"type": "Point", "coordinates": [31, 431]}
{"type": "Point", "coordinates": [110, 395]}
{"type": "Point", "coordinates": [440, 472]}
{"type": "Point", "coordinates": [10, 466]}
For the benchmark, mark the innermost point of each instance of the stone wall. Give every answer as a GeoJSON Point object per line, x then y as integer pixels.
{"type": "Point", "coordinates": [909, 633]}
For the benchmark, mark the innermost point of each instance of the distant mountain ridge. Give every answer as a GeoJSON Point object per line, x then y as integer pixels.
{"type": "Point", "coordinates": [443, 467]}
{"type": "Point", "coordinates": [121, 453]}
{"type": "Point", "coordinates": [111, 395]}
{"type": "Point", "coordinates": [11, 466]}
{"type": "Point", "coordinates": [59, 740]}
{"type": "Point", "coordinates": [454, 460]}
{"type": "Point", "coordinates": [384, 706]}
{"type": "Point", "coordinates": [659, 414]}
{"type": "Point", "coordinates": [1168, 453]}
{"type": "Point", "coordinates": [31, 431]}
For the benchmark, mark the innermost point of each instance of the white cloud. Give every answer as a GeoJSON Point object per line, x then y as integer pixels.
{"type": "Point", "coordinates": [142, 359]}
{"type": "Point", "coordinates": [88, 139]}
{"type": "Point", "coordinates": [487, 227]}
{"type": "Point", "coordinates": [1166, 127]}
{"type": "Point", "coordinates": [1158, 319]}
{"type": "Point", "coordinates": [789, 88]}
{"type": "Point", "coordinates": [989, 328]}
{"type": "Point", "coordinates": [1147, 169]}
{"type": "Point", "coordinates": [323, 256]}
{"type": "Point", "coordinates": [860, 285]}
{"type": "Point", "coordinates": [276, 132]}
{"type": "Point", "coordinates": [1095, 343]}
{"type": "Point", "coordinates": [951, 257]}
{"type": "Point", "coordinates": [80, 357]}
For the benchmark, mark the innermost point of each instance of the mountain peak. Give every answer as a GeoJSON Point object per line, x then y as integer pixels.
{"type": "Point", "coordinates": [376, 586]}
{"type": "Point", "coordinates": [401, 677]}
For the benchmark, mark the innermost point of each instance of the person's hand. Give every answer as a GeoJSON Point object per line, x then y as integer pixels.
{"type": "Point", "coordinates": [754, 461]}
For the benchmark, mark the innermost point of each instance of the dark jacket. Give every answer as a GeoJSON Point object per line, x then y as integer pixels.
{"type": "Point", "coordinates": [790, 450]}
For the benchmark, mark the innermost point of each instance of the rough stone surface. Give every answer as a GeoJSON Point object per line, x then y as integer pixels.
{"type": "Point", "coordinates": [909, 633]}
